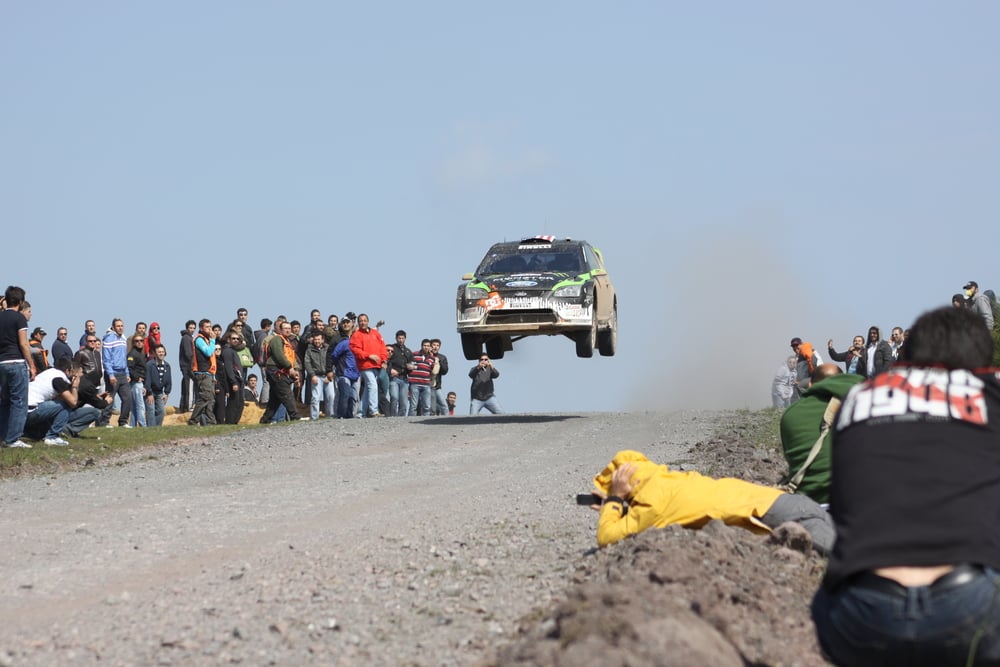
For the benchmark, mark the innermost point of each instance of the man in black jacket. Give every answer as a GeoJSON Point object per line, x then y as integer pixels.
{"type": "Point", "coordinates": [92, 367]}
{"type": "Point", "coordinates": [854, 358]}
{"type": "Point", "coordinates": [878, 353]}
{"type": "Point", "coordinates": [159, 384]}
{"type": "Point", "coordinates": [482, 375]}
{"type": "Point", "coordinates": [185, 356]}
{"type": "Point", "coordinates": [231, 376]}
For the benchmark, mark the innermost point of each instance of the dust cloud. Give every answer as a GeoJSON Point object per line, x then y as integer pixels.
{"type": "Point", "coordinates": [731, 306]}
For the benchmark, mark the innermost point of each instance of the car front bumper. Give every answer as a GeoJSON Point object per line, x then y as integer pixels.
{"type": "Point", "coordinates": [524, 316]}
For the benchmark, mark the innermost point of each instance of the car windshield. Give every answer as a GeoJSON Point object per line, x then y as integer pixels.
{"type": "Point", "coordinates": [568, 261]}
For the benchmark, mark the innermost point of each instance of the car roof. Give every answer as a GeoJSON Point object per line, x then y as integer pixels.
{"type": "Point", "coordinates": [537, 242]}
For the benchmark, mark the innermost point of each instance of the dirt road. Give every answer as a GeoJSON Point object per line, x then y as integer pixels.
{"type": "Point", "coordinates": [384, 541]}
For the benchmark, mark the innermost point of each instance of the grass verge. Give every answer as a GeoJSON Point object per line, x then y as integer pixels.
{"type": "Point", "coordinates": [101, 444]}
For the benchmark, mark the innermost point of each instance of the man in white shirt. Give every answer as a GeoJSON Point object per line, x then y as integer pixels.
{"type": "Point", "coordinates": [53, 404]}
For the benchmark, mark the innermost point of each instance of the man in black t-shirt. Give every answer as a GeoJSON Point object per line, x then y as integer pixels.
{"type": "Point", "coordinates": [17, 369]}
{"type": "Point", "coordinates": [915, 497]}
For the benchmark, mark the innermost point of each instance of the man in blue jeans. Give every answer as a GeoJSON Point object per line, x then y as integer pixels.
{"type": "Point", "coordinates": [54, 404]}
{"type": "Point", "coordinates": [16, 369]}
{"type": "Point", "coordinates": [915, 498]}
{"type": "Point", "coordinates": [482, 375]}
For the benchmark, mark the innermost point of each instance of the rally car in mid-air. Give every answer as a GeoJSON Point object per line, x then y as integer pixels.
{"type": "Point", "coordinates": [538, 286]}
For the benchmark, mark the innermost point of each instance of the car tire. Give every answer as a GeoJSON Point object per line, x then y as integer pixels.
{"type": "Point", "coordinates": [607, 339]}
{"type": "Point", "coordinates": [494, 347]}
{"type": "Point", "coordinates": [587, 340]}
{"type": "Point", "coordinates": [472, 346]}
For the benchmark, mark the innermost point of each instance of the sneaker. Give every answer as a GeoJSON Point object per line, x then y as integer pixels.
{"type": "Point", "coordinates": [108, 426]}
{"type": "Point", "coordinates": [18, 444]}
{"type": "Point", "coordinates": [58, 442]}
{"type": "Point", "coordinates": [126, 426]}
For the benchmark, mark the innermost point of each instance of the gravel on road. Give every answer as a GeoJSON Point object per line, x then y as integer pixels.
{"type": "Point", "coordinates": [411, 541]}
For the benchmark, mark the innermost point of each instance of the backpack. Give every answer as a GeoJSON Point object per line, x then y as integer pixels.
{"type": "Point", "coordinates": [246, 357]}
{"type": "Point", "coordinates": [265, 350]}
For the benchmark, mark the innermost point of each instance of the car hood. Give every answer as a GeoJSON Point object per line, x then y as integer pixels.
{"type": "Point", "coordinates": [529, 280]}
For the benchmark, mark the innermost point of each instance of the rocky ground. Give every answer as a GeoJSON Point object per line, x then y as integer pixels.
{"type": "Point", "coordinates": [718, 596]}
{"type": "Point", "coordinates": [421, 542]}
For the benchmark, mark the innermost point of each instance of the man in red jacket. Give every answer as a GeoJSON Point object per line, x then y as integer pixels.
{"type": "Point", "coordinates": [369, 351]}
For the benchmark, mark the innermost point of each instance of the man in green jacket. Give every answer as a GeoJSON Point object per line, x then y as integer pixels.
{"type": "Point", "coordinates": [805, 431]}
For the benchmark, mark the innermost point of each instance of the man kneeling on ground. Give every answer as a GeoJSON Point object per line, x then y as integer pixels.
{"type": "Point", "coordinates": [639, 494]}
{"type": "Point", "coordinates": [54, 407]}
{"type": "Point", "coordinates": [915, 496]}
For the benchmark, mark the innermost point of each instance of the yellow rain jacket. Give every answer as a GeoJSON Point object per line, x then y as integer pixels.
{"type": "Point", "coordinates": [663, 497]}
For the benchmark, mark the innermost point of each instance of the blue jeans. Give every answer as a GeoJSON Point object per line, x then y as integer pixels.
{"type": "Point", "coordinates": [138, 417]}
{"type": "Point", "coordinates": [490, 404]}
{"type": "Point", "coordinates": [81, 418]}
{"type": "Point", "coordinates": [422, 397]}
{"type": "Point", "coordinates": [155, 410]}
{"type": "Point", "coordinates": [13, 400]}
{"type": "Point", "coordinates": [439, 402]}
{"type": "Point", "coordinates": [399, 402]}
{"type": "Point", "coordinates": [347, 397]}
{"type": "Point", "coordinates": [369, 392]}
{"type": "Point", "coordinates": [49, 417]}
{"type": "Point", "coordinates": [322, 392]}
{"type": "Point", "coordinates": [917, 626]}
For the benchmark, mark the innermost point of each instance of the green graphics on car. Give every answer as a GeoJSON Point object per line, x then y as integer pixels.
{"type": "Point", "coordinates": [538, 286]}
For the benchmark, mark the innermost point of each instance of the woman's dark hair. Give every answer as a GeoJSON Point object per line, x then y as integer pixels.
{"type": "Point", "coordinates": [950, 337]}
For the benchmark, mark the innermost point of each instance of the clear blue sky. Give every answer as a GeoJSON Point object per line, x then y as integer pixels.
{"type": "Point", "coordinates": [752, 171]}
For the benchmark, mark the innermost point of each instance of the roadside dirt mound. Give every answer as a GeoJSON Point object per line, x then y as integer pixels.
{"type": "Point", "coordinates": [717, 596]}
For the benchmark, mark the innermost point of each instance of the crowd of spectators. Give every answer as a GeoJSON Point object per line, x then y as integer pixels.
{"type": "Point", "coordinates": [871, 356]}
{"type": "Point", "coordinates": [334, 368]}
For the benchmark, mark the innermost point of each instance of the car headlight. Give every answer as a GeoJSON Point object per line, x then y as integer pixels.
{"type": "Point", "coordinates": [569, 291]}
{"type": "Point", "coordinates": [475, 293]}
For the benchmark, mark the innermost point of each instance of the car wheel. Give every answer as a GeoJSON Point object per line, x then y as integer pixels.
{"type": "Point", "coordinates": [472, 346]}
{"type": "Point", "coordinates": [607, 339]}
{"type": "Point", "coordinates": [587, 340]}
{"type": "Point", "coordinates": [494, 347]}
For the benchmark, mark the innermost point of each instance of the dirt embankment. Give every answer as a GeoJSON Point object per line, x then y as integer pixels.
{"type": "Point", "coordinates": [718, 596]}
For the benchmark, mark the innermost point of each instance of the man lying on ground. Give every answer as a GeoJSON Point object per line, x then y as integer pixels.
{"type": "Point", "coordinates": [639, 494]}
